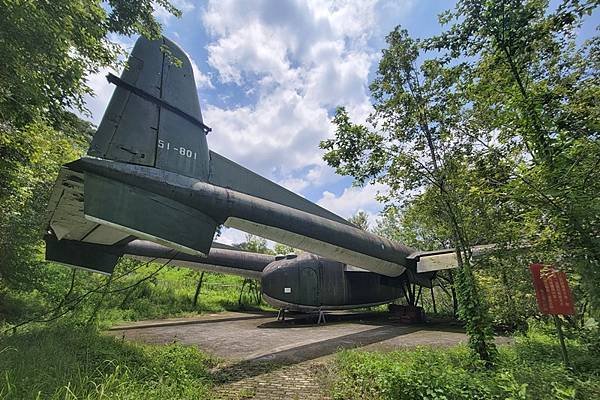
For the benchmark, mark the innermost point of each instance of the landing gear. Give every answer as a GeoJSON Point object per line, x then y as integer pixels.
{"type": "Point", "coordinates": [321, 317]}
{"type": "Point", "coordinates": [281, 314]}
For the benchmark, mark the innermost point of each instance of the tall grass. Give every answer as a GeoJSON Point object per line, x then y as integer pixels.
{"type": "Point", "coordinates": [71, 362]}
{"type": "Point", "coordinates": [168, 293]}
{"type": "Point", "coordinates": [70, 359]}
{"type": "Point", "coordinates": [171, 293]}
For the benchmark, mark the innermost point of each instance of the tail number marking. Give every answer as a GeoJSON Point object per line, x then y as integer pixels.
{"type": "Point", "coordinates": [181, 151]}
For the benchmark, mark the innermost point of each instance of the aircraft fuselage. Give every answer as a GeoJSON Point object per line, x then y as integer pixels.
{"type": "Point", "coordinates": [309, 283]}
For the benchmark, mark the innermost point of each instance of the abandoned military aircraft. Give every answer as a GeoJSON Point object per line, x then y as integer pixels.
{"type": "Point", "coordinates": [149, 187]}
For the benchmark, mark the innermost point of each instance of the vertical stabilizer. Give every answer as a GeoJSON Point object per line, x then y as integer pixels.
{"type": "Point", "coordinates": [154, 117]}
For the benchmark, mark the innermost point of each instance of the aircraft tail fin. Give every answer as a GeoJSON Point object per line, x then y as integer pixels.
{"type": "Point", "coordinates": [154, 116]}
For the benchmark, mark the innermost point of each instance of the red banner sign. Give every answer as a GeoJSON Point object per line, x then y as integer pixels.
{"type": "Point", "coordinates": [552, 290]}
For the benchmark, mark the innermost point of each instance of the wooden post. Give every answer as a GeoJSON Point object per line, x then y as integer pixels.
{"type": "Point", "coordinates": [561, 338]}
{"type": "Point", "coordinates": [433, 300]}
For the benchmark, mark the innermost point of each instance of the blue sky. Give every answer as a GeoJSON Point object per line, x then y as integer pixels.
{"type": "Point", "coordinates": [271, 73]}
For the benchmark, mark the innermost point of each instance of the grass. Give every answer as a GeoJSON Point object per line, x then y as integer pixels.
{"type": "Point", "coordinates": [529, 369]}
{"type": "Point", "coordinates": [71, 362]}
{"type": "Point", "coordinates": [70, 359]}
{"type": "Point", "coordinates": [169, 293]}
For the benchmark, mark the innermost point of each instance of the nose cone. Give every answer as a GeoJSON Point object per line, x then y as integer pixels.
{"type": "Point", "coordinates": [293, 281]}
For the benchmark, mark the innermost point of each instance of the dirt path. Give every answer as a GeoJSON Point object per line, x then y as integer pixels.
{"type": "Point", "coordinates": [266, 359]}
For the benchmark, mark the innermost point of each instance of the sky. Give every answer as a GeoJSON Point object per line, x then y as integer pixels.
{"type": "Point", "coordinates": [270, 74]}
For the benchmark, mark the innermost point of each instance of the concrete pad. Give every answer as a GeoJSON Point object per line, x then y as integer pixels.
{"type": "Point", "coordinates": [257, 336]}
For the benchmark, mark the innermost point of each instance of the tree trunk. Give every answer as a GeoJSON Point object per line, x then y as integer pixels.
{"type": "Point", "coordinates": [198, 288]}
{"type": "Point", "coordinates": [453, 293]}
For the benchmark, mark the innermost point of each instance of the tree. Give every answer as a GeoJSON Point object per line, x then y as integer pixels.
{"type": "Point", "coordinates": [284, 249]}
{"type": "Point", "coordinates": [496, 137]}
{"type": "Point", "coordinates": [360, 220]}
{"type": "Point", "coordinates": [413, 147]}
{"type": "Point", "coordinates": [417, 225]}
{"type": "Point", "coordinates": [533, 88]}
{"type": "Point", "coordinates": [255, 244]}
{"type": "Point", "coordinates": [48, 49]}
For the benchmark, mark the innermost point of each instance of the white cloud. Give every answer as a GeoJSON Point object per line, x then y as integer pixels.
{"type": "Point", "coordinates": [201, 79]}
{"type": "Point", "coordinates": [354, 199]}
{"type": "Point", "coordinates": [301, 59]}
{"type": "Point", "coordinates": [294, 184]}
{"type": "Point", "coordinates": [96, 103]}
{"type": "Point", "coordinates": [278, 135]}
{"type": "Point", "coordinates": [165, 18]}
{"type": "Point", "coordinates": [231, 236]}
{"type": "Point", "coordinates": [251, 50]}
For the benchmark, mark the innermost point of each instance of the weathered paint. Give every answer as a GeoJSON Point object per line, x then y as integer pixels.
{"type": "Point", "coordinates": [311, 282]}
{"type": "Point", "coordinates": [137, 131]}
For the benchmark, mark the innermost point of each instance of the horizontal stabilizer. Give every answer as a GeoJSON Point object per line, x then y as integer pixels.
{"type": "Point", "coordinates": [64, 215]}
{"type": "Point", "coordinates": [437, 260]}
{"type": "Point", "coordinates": [103, 258]}
{"type": "Point", "coordinates": [81, 255]}
{"type": "Point", "coordinates": [147, 215]}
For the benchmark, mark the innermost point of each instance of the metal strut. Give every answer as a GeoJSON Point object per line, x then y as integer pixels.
{"type": "Point", "coordinates": [281, 314]}
{"type": "Point", "coordinates": [321, 318]}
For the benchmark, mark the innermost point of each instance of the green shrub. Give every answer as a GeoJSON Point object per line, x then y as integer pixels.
{"type": "Point", "coordinates": [531, 368]}
{"type": "Point", "coordinates": [169, 293]}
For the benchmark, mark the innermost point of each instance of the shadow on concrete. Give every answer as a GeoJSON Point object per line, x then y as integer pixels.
{"type": "Point", "coordinates": [269, 362]}
{"type": "Point", "coordinates": [159, 324]}
{"type": "Point", "coordinates": [302, 320]}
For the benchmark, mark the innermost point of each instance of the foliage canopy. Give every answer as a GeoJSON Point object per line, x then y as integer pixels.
{"type": "Point", "coordinates": [488, 133]}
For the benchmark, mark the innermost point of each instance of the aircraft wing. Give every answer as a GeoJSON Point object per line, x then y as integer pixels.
{"type": "Point", "coordinates": [150, 175]}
